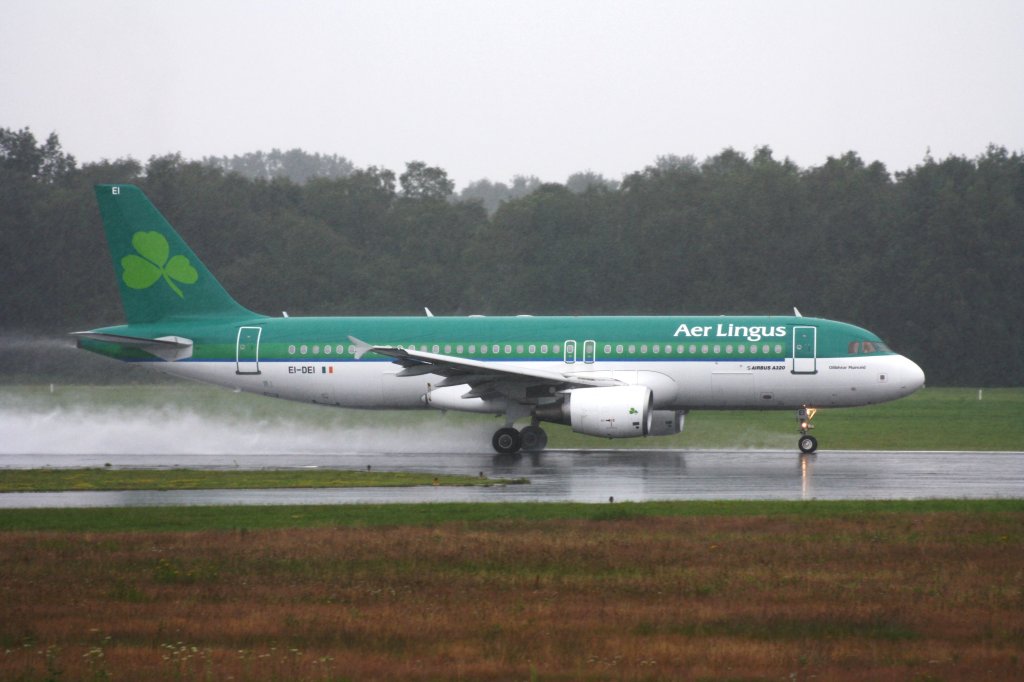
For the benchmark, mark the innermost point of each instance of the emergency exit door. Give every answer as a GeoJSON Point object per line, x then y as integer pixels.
{"type": "Point", "coordinates": [805, 350]}
{"type": "Point", "coordinates": [247, 350]}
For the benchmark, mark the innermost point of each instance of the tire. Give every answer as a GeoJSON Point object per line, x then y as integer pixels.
{"type": "Point", "coordinates": [507, 441]}
{"type": "Point", "coordinates": [807, 444]}
{"type": "Point", "coordinates": [534, 439]}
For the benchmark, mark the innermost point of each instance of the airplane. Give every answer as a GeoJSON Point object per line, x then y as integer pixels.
{"type": "Point", "coordinates": [609, 377]}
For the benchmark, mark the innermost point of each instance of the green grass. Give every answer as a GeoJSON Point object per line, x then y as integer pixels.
{"type": "Point", "coordinates": [48, 480]}
{"type": "Point", "coordinates": [432, 514]}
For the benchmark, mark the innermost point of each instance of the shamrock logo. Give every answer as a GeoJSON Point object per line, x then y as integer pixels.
{"type": "Point", "coordinates": [142, 271]}
{"type": "Point", "coordinates": [632, 410]}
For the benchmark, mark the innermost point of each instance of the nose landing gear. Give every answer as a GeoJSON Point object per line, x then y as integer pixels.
{"type": "Point", "coordinates": [807, 443]}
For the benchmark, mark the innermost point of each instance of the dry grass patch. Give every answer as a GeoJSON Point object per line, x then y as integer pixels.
{"type": "Point", "coordinates": [882, 596]}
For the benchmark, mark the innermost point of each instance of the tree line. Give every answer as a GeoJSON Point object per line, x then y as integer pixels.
{"type": "Point", "coordinates": [931, 258]}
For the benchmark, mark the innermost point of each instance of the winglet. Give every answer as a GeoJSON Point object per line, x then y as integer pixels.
{"type": "Point", "coordinates": [796, 312]}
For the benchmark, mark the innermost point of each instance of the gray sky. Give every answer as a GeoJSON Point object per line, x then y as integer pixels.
{"type": "Point", "coordinates": [494, 89]}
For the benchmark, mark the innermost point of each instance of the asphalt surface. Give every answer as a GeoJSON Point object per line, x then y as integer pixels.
{"type": "Point", "coordinates": [572, 475]}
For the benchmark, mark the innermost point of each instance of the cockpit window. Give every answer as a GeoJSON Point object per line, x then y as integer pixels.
{"type": "Point", "coordinates": [866, 348]}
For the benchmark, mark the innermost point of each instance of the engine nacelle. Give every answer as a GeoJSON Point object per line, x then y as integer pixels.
{"type": "Point", "coordinates": [607, 411]}
{"type": "Point", "coordinates": [667, 422]}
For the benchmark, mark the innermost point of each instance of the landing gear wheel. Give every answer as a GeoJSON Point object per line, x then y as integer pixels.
{"type": "Point", "coordinates": [507, 441]}
{"type": "Point", "coordinates": [807, 444]}
{"type": "Point", "coordinates": [534, 439]}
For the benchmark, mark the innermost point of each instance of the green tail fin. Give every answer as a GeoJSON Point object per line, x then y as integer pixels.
{"type": "Point", "coordinates": [158, 274]}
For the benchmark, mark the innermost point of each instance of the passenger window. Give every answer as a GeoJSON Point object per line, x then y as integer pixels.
{"type": "Point", "coordinates": [544, 348]}
{"type": "Point", "coordinates": [570, 352]}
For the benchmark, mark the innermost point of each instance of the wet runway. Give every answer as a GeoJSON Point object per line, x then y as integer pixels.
{"type": "Point", "coordinates": [574, 475]}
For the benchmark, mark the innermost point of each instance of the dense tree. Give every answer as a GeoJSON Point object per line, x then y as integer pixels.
{"type": "Point", "coordinates": [931, 258]}
{"type": "Point", "coordinates": [578, 183]}
{"type": "Point", "coordinates": [420, 181]}
{"type": "Point", "coordinates": [494, 194]}
{"type": "Point", "coordinates": [20, 154]}
{"type": "Point", "coordinates": [295, 165]}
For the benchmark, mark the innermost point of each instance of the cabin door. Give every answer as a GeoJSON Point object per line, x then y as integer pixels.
{"type": "Point", "coordinates": [805, 350]}
{"type": "Point", "coordinates": [247, 350]}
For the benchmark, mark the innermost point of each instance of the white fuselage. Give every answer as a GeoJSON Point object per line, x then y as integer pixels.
{"type": "Point", "coordinates": [676, 384]}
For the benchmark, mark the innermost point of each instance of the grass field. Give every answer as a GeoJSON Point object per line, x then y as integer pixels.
{"type": "Point", "coordinates": [932, 419]}
{"type": "Point", "coordinates": [858, 590]}
{"type": "Point", "coordinates": [44, 480]}
{"type": "Point", "coordinates": [929, 590]}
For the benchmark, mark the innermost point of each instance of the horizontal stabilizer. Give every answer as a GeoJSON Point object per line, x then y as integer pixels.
{"type": "Point", "coordinates": [169, 348]}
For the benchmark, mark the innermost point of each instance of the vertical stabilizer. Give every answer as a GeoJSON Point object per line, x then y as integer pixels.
{"type": "Point", "coordinates": [158, 274]}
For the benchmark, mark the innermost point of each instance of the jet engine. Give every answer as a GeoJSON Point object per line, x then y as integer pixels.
{"type": "Point", "coordinates": [609, 412]}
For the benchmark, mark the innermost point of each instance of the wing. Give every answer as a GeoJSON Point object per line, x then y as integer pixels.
{"type": "Point", "coordinates": [485, 379]}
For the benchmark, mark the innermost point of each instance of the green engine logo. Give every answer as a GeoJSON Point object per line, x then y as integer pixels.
{"type": "Point", "coordinates": [142, 271]}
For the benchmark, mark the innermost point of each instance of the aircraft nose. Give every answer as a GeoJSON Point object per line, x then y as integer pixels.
{"type": "Point", "coordinates": [912, 375]}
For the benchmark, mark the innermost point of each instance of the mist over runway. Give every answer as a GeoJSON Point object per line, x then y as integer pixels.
{"type": "Point", "coordinates": [207, 428]}
{"type": "Point", "coordinates": [571, 475]}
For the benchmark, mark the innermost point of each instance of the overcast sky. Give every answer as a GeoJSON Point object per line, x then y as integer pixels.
{"type": "Point", "coordinates": [495, 89]}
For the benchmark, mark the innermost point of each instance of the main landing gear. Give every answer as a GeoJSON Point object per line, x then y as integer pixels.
{"type": "Point", "coordinates": [807, 443]}
{"type": "Point", "coordinates": [508, 441]}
